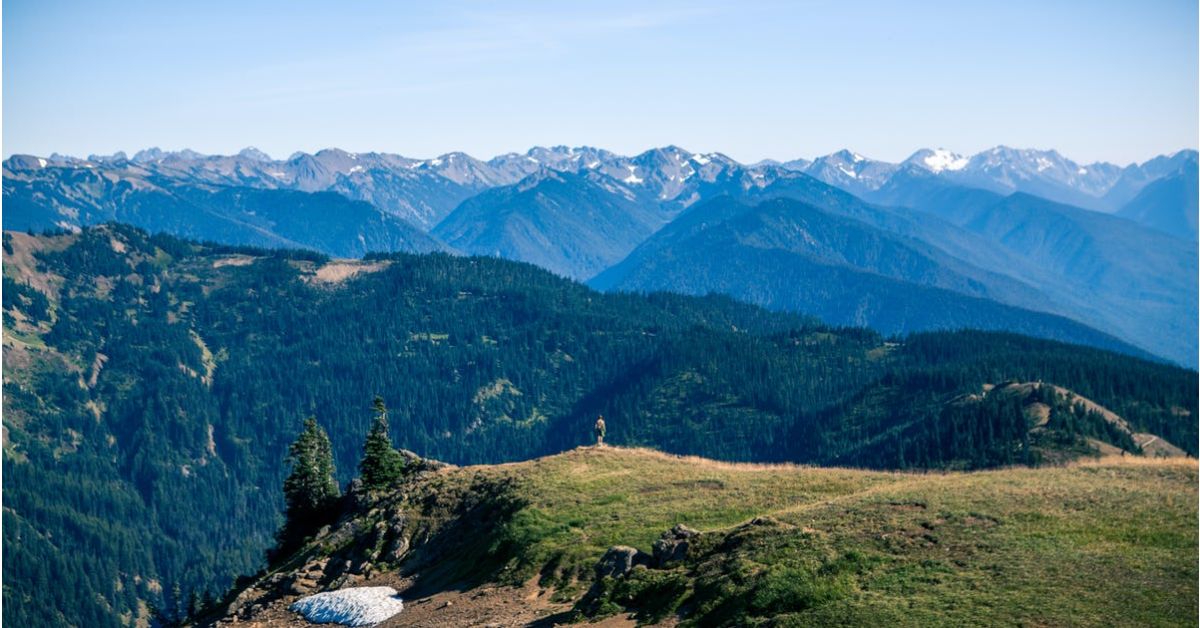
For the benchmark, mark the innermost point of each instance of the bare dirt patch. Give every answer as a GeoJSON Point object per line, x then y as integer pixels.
{"type": "Point", "coordinates": [234, 260]}
{"type": "Point", "coordinates": [339, 271]}
{"type": "Point", "coordinates": [24, 265]}
{"type": "Point", "coordinates": [488, 605]}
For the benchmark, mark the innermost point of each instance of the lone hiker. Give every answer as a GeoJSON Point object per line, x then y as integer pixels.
{"type": "Point", "coordinates": [599, 430]}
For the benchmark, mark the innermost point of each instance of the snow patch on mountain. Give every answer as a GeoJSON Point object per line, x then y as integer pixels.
{"type": "Point", "coordinates": [632, 178]}
{"type": "Point", "coordinates": [355, 606]}
{"type": "Point", "coordinates": [941, 159]}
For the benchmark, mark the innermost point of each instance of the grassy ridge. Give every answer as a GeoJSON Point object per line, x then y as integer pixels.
{"type": "Point", "coordinates": [1105, 543]}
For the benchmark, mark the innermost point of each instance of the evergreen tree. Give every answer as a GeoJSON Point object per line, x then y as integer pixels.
{"type": "Point", "coordinates": [381, 466]}
{"type": "Point", "coordinates": [310, 491]}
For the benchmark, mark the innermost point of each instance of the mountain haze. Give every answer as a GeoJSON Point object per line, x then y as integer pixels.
{"type": "Point", "coordinates": [572, 224]}
{"type": "Point", "coordinates": [787, 255]}
{"type": "Point", "coordinates": [580, 210]}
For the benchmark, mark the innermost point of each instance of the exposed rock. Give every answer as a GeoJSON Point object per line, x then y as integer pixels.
{"type": "Point", "coordinates": [620, 560]}
{"type": "Point", "coordinates": [300, 585]}
{"type": "Point", "coordinates": [244, 598]}
{"type": "Point", "coordinates": [315, 568]}
{"type": "Point", "coordinates": [681, 531]}
{"type": "Point", "coordinates": [673, 546]}
{"type": "Point", "coordinates": [416, 464]}
{"type": "Point", "coordinates": [397, 547]}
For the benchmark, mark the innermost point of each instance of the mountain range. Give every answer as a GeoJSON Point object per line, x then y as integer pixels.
{"type": "Point", "coordinates": [1013, 238]}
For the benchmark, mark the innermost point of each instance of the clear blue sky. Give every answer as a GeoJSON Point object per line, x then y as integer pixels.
{"type": "Point", "coordinates": [1098, 80]}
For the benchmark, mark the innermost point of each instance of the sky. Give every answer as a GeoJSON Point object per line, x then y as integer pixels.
{"type": "Point", "coordinates": [1101, 80]}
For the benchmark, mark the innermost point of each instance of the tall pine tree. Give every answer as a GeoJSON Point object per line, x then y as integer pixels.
{"type": "Point", "coordinates": [381, 466]}
{"type": "Point", "coordinates": [310, 490]}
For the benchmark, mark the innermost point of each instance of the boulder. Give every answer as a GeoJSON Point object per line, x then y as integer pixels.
{"type": "Point", "coordinates": [619, 560]}
{"type": "Point", "coordinates": [681, 531]}
{"type": "Point", "coordinates": [396, 549]}
{"type": "Point", "coordinates": [673, 546]}
{"type": "Point", "coordinates": [299, 585]}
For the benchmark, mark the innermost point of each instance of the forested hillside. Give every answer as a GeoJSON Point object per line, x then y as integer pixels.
{"type": "Point", "coordinates": [152, 386]}
{"type": "Point", "coordinates": [789, 255]}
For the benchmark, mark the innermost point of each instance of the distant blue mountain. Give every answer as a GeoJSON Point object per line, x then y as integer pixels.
{"type": "Point", "coordinates": [789, 255]}
{"type": "Point", "coordinates": [1169, 204]}
{"type": "Point", "coordinates": [573, 224]}
{"type": "Point", "coordinates": [73, 197]}
{"type": "Point", "coordinates": [1109, 272]}
{"type": "Point", "coordinates": [997, 226]}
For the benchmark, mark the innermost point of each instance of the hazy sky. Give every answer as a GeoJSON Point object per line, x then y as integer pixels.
{"type": "Point", "coordinates": [1097, 80]}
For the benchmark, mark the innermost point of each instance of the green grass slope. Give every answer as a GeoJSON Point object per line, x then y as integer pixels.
{"type": "Point", "coordinates": [1102, 543]}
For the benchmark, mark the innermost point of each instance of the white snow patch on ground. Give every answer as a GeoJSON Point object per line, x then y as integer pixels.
{"type": "Point", "coordinates": [700, 159]}
{"type": "Point", "coordinates": [41, 162]}
{"type": "Point", "coordinates": [354, 606]}
{"type": "Point", "coordinates": [355, 169]}
{"type": "Point", "coordinates": [632, 178]}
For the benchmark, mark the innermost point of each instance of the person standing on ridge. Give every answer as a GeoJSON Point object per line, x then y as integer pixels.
{"type": "Point", "coordinates": [599, 430]}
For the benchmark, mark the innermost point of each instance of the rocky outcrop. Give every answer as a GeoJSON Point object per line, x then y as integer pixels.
{"type": "Point", "coordinates": [619, 561]}
{"type": "Point", "coordinates": [426, 528]}
{"type": "Point", "coordinates": [672, 547]}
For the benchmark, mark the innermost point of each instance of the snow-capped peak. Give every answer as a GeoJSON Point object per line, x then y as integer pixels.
{"type": "Point", "coordinates": [940, 159]}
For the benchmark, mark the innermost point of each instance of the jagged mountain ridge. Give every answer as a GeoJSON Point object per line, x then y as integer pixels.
{"type": "Point", "coordinates": [71, 197]}
{"type": "Point", "coordinates": [453, 177]}
{"type": "Point", "coordinates": [614, 203]}
{"type": "Point", "coordinates": [1098, 186]}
